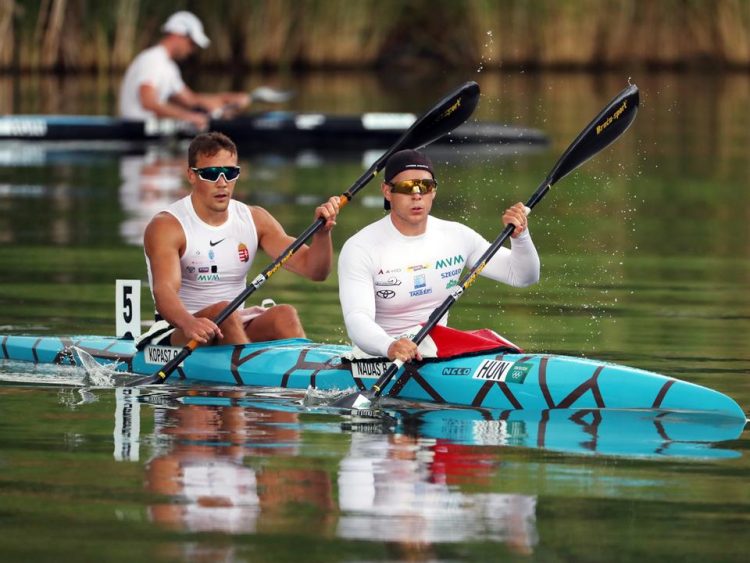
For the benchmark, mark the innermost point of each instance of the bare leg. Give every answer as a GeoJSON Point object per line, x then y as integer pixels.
{"type": "Point", "coordinates": [232, 329]}
{"type": "Point", "coordinates": [280, 321]}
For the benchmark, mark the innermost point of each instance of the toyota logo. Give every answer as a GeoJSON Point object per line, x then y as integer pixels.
{"type": "Point", "coordinates": [385, 293]}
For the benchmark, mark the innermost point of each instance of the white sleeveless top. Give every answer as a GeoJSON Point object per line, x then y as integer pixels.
{"type": "Point", "coordinates": [216, 260]}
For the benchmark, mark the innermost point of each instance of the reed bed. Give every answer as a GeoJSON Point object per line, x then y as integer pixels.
{"type": "Point", "coordinates": [85, 35]}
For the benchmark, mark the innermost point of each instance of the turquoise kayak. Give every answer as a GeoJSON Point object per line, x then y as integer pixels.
{"type": "Point", "coordinates": [500, 378]}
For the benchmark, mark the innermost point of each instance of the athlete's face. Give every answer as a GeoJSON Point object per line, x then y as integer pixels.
{"type": "Point", "coordinates": [183, 48]}
{"type": "Point", "coordinates": [212, 198]}
{"type": "Point", "coordinates": [409, 211]}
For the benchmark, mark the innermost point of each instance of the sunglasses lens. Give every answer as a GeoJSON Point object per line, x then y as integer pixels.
{"type": "Point", "coordinates": [423, 186]}
{"type": "Point", "coordinates": [231, 172]}
{"type": "Point", "coordinates": [212, 173]}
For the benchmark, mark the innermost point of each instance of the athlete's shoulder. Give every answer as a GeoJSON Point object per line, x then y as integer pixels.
{"type": "Point", "coordinates": [370, 235]}
{"type": "Point", "coordinates": [447, 226]}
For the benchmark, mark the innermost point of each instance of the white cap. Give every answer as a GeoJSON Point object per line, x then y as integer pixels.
{"type": "Point", "coordinates": [187, 23]}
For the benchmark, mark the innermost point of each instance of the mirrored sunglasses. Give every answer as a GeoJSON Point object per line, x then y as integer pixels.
{"type": "Point", "coordinates": [212, 173]}
{"type": "Point", "coordinates": [422, 186]}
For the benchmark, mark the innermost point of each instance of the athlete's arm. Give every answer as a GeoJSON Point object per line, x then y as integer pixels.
{"type": "Point", "coordinates": [357, 297]}
{"type": "Point", "coordinates": [518, 266]}
{"type": "Point", "coordinates": [176, 107]}
{"type": "Point", "coordinates": [312, 261]}
{"type": "Point", "coordinates": [163, 241]}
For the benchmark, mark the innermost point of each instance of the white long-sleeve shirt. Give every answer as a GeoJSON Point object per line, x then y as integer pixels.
{"type": "Point", "coordinates": [389, 282]}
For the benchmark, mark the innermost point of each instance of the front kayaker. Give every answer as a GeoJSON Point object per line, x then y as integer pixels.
{"type": "Point", "coordinates": [396, 271]}
{"type": "Point", "coordinates": [153, 85]}
{"type": "Point", "coordinates": [200, 249]}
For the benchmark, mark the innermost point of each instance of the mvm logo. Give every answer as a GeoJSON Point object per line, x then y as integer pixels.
{"type": "Point", "coordinates": [448, 262]}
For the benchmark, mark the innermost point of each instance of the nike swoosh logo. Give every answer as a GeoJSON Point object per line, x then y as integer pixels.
{"type": "Point", "coordinates": [212, 243]}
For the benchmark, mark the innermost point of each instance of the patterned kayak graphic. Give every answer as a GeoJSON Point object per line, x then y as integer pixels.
{"type": "Point", "coordinates": [494, 379]}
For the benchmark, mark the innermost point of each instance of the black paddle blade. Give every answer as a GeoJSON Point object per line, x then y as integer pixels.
{"type": "Point", "coordinates": [600, 133]}
{"type": "Point", "coordinates": [450, 112]}
{"type": "Point", "coordinates": [145, 380]}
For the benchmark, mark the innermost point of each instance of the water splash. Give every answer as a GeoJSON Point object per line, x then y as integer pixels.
{"type": "Point", "coordinates": [97, 375]}
{"type": "Point", "coordinates": [320, 397]}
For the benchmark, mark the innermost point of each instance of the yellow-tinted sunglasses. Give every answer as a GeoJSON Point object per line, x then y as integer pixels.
{"type": "Point", "coordinates": [422, 186]}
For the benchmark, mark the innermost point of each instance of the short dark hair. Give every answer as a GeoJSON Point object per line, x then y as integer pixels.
{"type": "Point", "coordinates": [209, 144]}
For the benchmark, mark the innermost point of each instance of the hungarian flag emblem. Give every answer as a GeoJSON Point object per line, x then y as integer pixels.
{"type": "Point", "coordinates": [243, 253]}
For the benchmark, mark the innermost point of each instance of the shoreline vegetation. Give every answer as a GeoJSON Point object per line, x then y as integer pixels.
{"type": "Point", "coordinates": [102, 37]}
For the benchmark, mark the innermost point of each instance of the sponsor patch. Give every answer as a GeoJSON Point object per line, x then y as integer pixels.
{"type": "Point", "coordinates": [391, 281]}
{"type": "Point", "coordinates": [518, 373]}
{"type": "Point", "coordinates": [451, 273]}
{"type": "Point", "coordinates": [447, 262]}
{"type": "Point", "coordinates": [369, 369]}
{"type": "Point", "coordinates": [385, 293]}
{"type": "Point", "coordinates": [492, 370]}
{"type": "Point", "coordinates": [417, 267]}
{"type": "Point", "coordinates": [456, 371]}
{"type": "Point", "coordinates": [159, 355]}
{"type": "Point", "coordinates": [418, 292]}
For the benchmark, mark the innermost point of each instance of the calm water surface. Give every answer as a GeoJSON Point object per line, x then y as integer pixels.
{"type": "Point", "coordinates": [645, 261]}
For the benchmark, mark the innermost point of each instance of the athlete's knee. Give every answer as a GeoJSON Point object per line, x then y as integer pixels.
{"type": "Point", "coordinates": [232, 324]}
{"type": "Point", "coordinates": [286, 321]}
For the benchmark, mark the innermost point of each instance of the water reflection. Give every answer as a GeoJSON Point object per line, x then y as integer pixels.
{"type": "Point", "coordinates": [211, 475]}
{"type": "Point", "coordinates": [246, 462]}
{"type": "Point", "coordinates": [150, 182]}
{"type": "Point", "coordinates": [225, 463]}
{"type": "Point", "coordinates": [402, 489]}
{"type": "Point", "coordinates": [642, 434]}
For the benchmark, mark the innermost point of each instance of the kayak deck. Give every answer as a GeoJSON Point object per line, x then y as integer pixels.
{"type": "Point", "coordinates": [494, 379]}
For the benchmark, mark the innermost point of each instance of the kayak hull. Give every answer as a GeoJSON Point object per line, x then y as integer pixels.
{"type": "Point", "coordinates": [258, 129]}
{"type": "Point", "coordinates": [494, 379]}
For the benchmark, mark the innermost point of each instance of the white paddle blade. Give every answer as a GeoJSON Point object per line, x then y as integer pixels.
{"type": "Point", "coordinates": [270, 95]}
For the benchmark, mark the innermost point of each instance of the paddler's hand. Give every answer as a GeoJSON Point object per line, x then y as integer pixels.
{"type": "Point", "coordinates": [517, 216]}
{"type": "Point", "coordinates": [404, 349]}
{"type": "Point", "coordinates": [198, 119]}
{"type": "Point", "coordinates": [202, 330]}
{"type": "Point", "coordinates": [239, 100]}
{"type": "Point", "coordinates": [328, 211]}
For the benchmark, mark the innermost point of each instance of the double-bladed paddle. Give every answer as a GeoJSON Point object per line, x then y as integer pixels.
{"type": "Point", "coordinates": [450, 112]}
{"type": "Point", "coordinates": [606, 127]}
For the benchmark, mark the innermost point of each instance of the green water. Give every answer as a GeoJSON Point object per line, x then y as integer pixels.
{"type": "Point", "coordinates": [645, 261]}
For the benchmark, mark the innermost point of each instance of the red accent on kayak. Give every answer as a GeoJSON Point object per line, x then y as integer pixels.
{"type": "Point", "coordinates": [452, 342]}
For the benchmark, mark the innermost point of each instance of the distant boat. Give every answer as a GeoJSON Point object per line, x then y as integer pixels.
{"type": "Point", "coordinates": [271, 129]}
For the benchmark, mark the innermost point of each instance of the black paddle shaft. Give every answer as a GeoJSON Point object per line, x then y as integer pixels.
{"type": "Point", "coordinates": [605, 128]}
{"type": "Point", "coordinates": [447, 114]}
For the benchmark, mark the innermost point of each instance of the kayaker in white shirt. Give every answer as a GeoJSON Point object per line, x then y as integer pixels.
{"type": "Point", "coordinates": [396, 271]}
{"type": "Point", "coordinates": [153, 85]}
{"type": "Point", "coordinates": [200, 249]}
